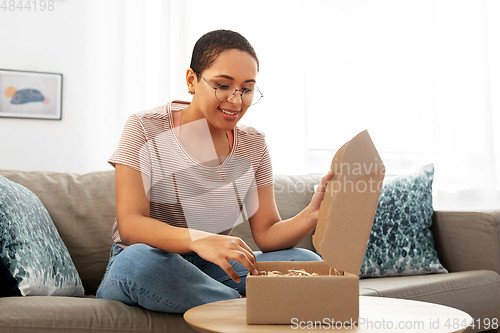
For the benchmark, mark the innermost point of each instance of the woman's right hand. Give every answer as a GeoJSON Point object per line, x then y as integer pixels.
{"type": "Point", "coordinates": [219, 249]}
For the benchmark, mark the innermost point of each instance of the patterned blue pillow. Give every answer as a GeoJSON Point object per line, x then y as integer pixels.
{"type": "Point", "coordinates": [401, 241]}
{"type": "Point", "coordinates": [31, 247]}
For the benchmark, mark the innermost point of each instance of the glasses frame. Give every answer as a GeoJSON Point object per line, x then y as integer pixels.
{"type": "Point", "coordinates": [235, 91]}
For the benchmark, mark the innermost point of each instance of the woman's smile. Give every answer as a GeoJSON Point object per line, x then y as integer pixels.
{"type": "Point", "coordinates": [229, 114]}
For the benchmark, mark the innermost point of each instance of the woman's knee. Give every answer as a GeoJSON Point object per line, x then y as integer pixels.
{"type": "Point", "coordinates": [160, 281]}
{"type": "Point", "coordinates": [136, 250]}
{"type": "Point", "coordinates": [139, 261]}
{"type": "Point", "coordinates": [299, 254]}
{"type": "Point", "coordinates": [132, 255]}
{"type": "Point", "coordinates": [293, 254]}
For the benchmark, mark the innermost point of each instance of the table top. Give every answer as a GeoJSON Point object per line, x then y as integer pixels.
{"type": "Point", "coordinates": [376, 314]}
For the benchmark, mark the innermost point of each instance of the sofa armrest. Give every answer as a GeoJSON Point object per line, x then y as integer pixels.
{"type": "Point", "coordinates": [468, 240]}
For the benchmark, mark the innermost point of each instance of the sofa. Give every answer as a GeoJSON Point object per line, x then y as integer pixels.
{"type": "Point", "coordinates": [82, 208]}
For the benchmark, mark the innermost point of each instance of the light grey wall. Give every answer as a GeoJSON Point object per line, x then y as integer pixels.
{"type": "Point", "coordinates": [54, 41]}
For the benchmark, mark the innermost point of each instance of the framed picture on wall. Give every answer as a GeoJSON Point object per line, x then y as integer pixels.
{"type": "Point", "coordinates": [26, 94]}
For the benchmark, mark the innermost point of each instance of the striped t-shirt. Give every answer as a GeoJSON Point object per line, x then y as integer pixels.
{"type": "Point", "coordinates": [182, 191]}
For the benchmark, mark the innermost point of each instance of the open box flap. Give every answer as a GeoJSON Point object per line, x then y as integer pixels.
{"type": "Point", "coordinates": [351, 199]}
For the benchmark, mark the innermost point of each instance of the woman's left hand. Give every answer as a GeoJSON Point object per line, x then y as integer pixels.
{"type": "Point", "coordinates": [318, 198]}
{"type": "Point", "coordinates": [271, 233]}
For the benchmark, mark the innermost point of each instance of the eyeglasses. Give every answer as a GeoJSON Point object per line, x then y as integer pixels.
{"type": "Point", "coordinates": [227, 92]}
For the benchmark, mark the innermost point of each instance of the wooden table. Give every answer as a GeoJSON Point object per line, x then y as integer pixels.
{"type": "Point", "coordinates": [376, 314]}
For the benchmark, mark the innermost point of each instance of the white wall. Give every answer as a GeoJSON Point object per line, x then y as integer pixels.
{"type": "Point", "coordinates": [55, 41]}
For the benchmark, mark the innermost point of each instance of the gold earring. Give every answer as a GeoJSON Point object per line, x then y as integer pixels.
{"type": "Point", "coordinates": [190, 92]}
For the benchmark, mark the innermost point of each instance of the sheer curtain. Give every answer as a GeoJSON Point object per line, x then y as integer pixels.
{"type": "Point", "coordinates": [136, 60]}
{"type": "Point", "coordinates": [422, 76]}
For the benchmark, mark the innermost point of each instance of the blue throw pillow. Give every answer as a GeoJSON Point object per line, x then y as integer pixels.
{"type": "Point", "coordinates": [30, 246]}
{"type": "Point", "coordinates": [401, 241]}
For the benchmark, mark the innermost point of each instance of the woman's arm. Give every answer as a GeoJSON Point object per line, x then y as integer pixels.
{"type": "Point", "coordinates": [136, 226]}
{"type": "Point", "coordinates": [270, 233]}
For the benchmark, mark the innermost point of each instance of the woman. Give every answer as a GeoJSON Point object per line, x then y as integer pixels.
{"type": "Point", "coordinates": [185, 174]}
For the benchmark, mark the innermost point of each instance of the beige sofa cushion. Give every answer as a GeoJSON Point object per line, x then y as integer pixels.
{"type": "Point", "coordinates": [475, 292]}
{"type": "Point", "coordinates": [82, 315]}
{"type": "Point", "coordinates": [83, 210]}
{"type": "Point", "coordinates": [468, 240]}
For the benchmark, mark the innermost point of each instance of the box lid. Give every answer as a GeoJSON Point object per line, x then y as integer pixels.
{"type": "Point", "coordinates": [348, 209]}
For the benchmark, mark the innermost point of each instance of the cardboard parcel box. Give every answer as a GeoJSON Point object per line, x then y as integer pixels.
{"type": "Point", "coordinates": [344, 224]}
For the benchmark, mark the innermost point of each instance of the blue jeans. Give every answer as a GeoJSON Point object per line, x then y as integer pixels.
{"type": "Point", "coordinates": [142, 275]}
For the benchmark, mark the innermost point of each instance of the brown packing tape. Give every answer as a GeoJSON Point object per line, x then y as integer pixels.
{"type": "Point", "coordinates": [347, 212]}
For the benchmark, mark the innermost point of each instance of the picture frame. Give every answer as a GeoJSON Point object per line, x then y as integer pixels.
{"type": "Point", "coordinates": [28, 94]}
